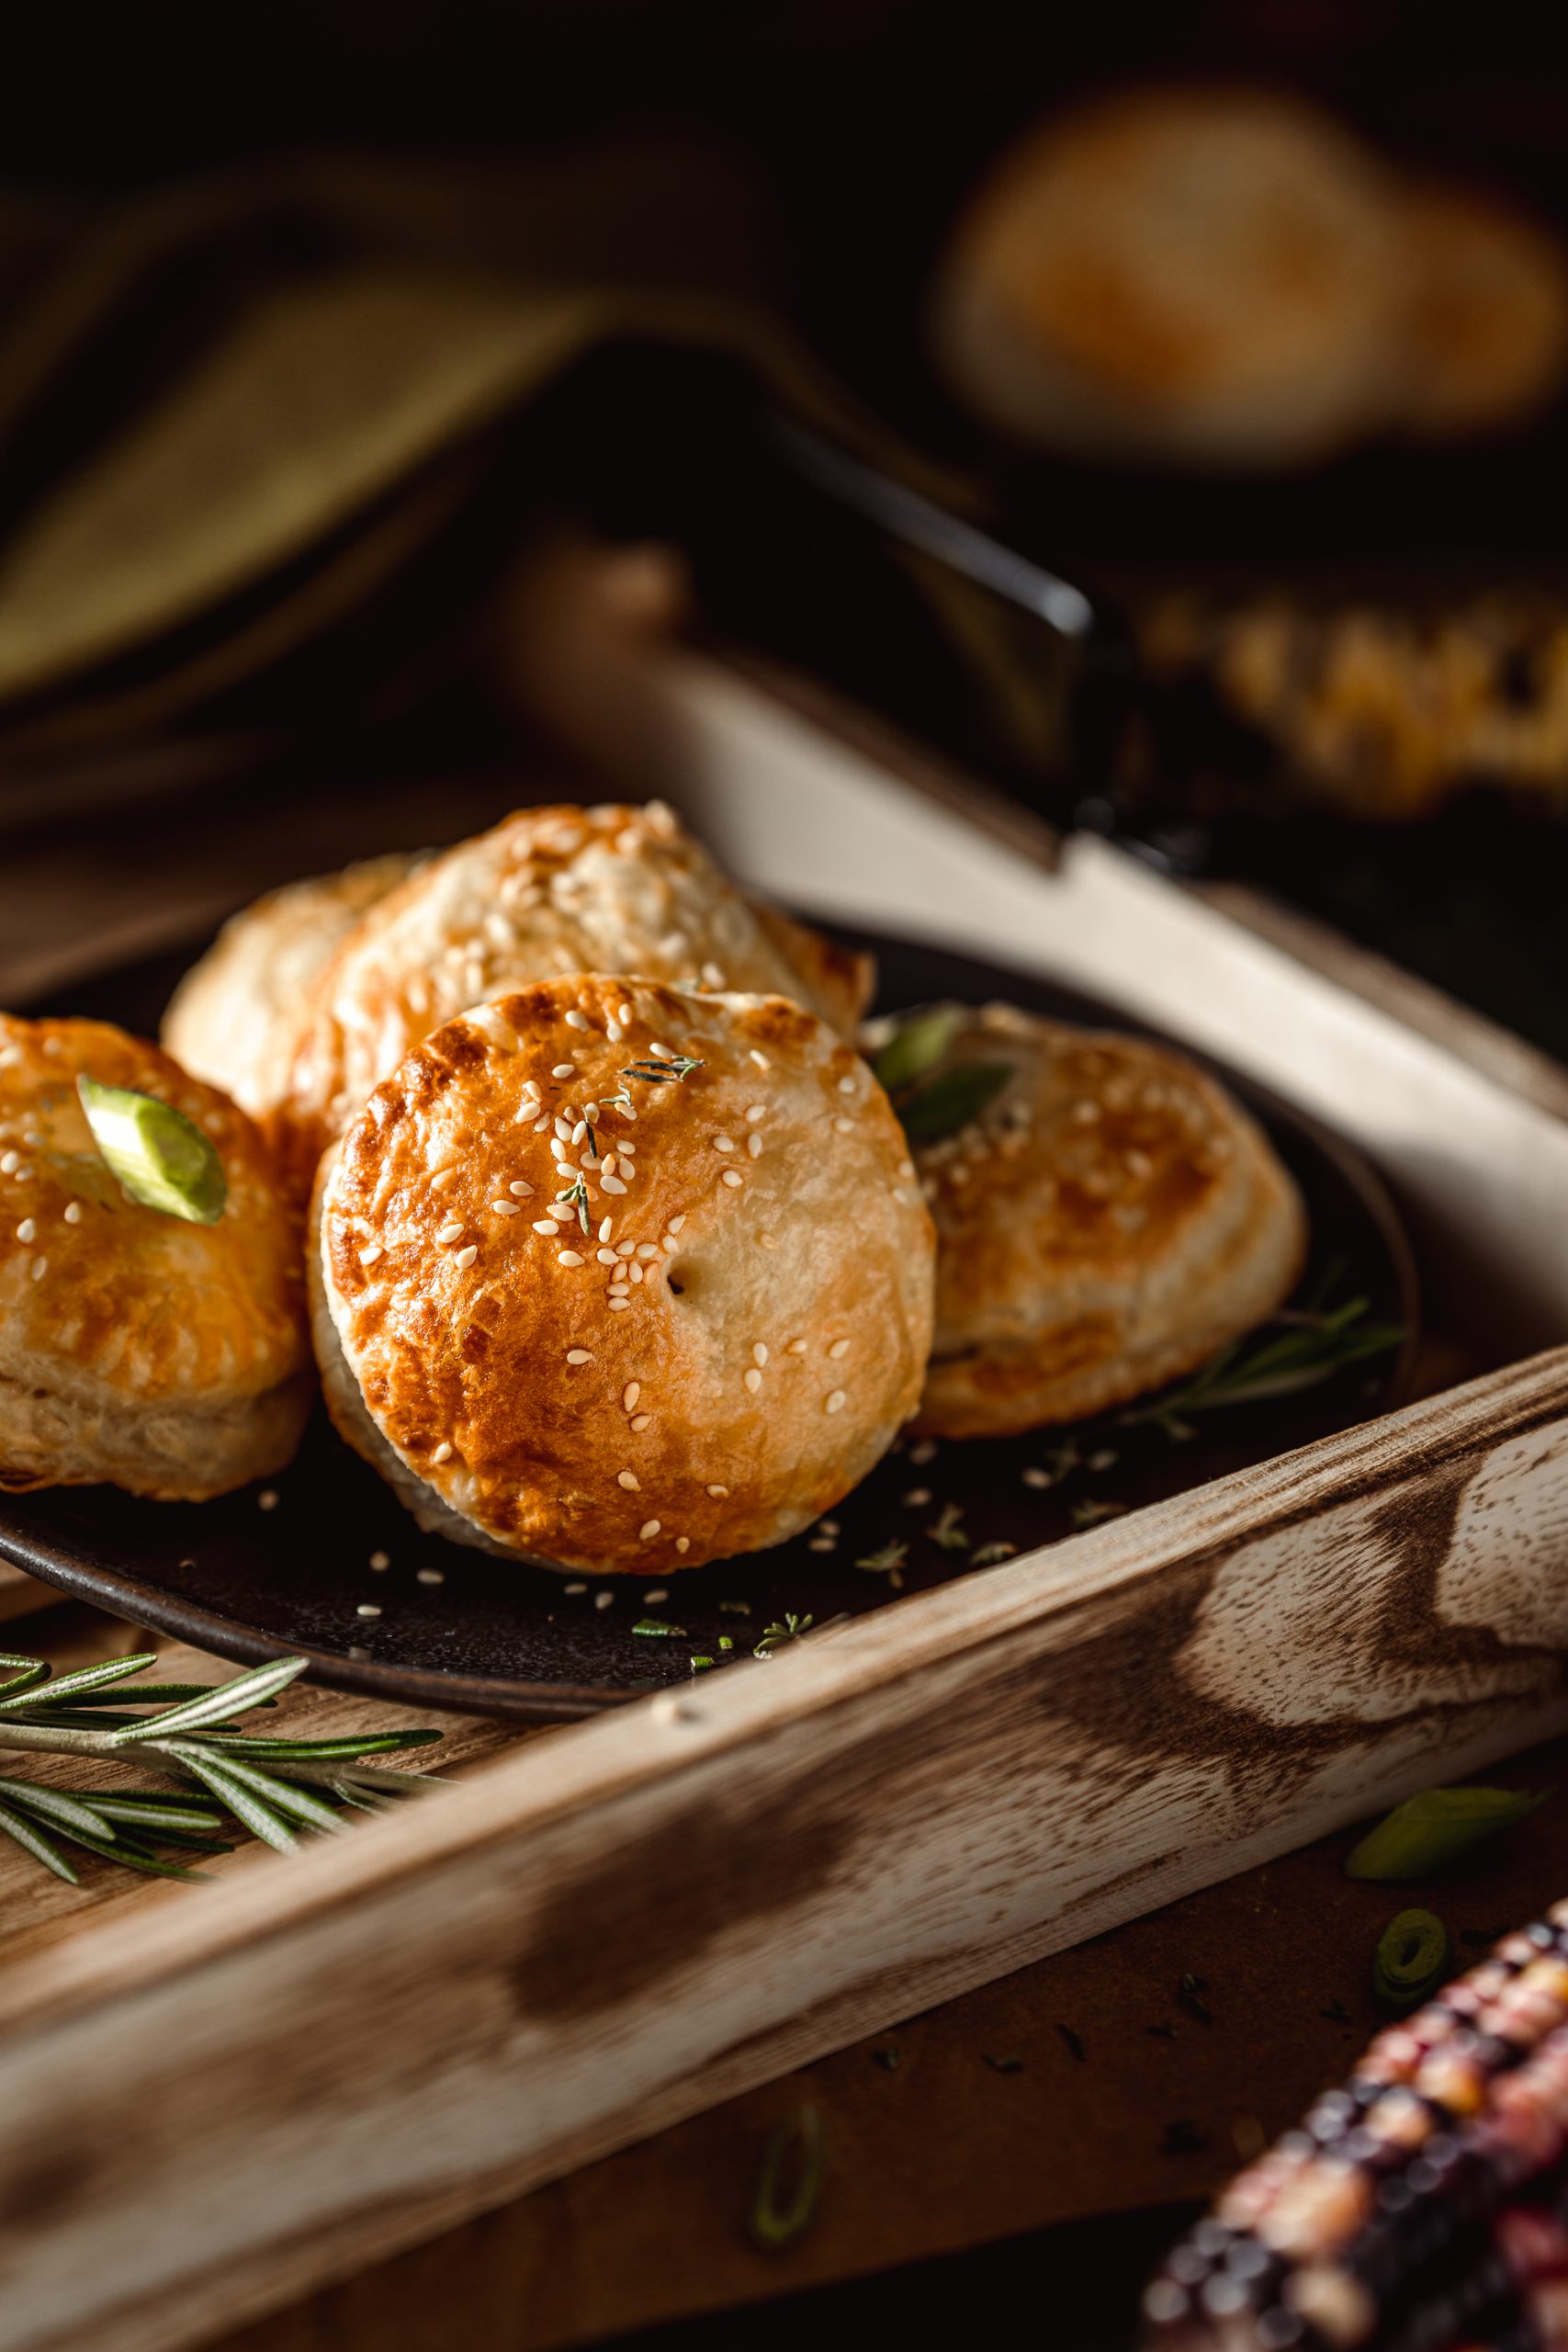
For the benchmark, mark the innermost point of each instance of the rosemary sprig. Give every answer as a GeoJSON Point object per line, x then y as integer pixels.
{"type": "Point", "coordinates": [184, 1731]}
{"type": "Point", "coordinates": [1292, 1352]}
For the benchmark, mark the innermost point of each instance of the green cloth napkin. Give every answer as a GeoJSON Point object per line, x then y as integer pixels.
{"type": "Point", "coordinates": [228, 412]}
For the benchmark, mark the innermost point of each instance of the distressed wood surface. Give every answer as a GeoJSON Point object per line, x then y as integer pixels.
{"type": "Point", "coordinates": [617, 1925]}
{"type": "Point", "coordinates": [621, 1923]}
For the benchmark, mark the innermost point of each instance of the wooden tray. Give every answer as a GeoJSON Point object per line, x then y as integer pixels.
{"type": "Point", "coordinates": [612, 1925]}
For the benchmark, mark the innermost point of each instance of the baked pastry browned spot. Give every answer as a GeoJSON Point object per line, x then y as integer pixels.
{"type": "Point", "coordinates": [167, 1357]}
{"type": "Point", "coordinates": [549, 892]}
{"type": "Point", "coordinates": [235, 1018]}
{"type": "Point", "coordinates": [1181, 275]}
{"type": "Point", "coordinates": [1106, 1221]}
{"type": "Point", "coordinates": [616, 1276]}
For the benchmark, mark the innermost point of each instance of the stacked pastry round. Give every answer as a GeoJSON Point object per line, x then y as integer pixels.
{"type": "Point", "coordinates": [166, 1356]}
{"type": "Point", "coordinates": [617, 1276]}
{"type": "Point", "coordinates": [1107, 1221]}
{"type": "Point", "coordinates": [550, 891]}
{"type": "Point", "coordinates": [234, 1019]}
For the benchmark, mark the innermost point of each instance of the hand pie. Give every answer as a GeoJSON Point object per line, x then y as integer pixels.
{"type": "Point", "coordinates": [166, 1357]}
{"type": "Point", "coordinates": [1181, 277]}
{"type": "Point", "coordinates": [549, 892]}
{"type": "Point", "coordinates": [1106, 1221]}
{"type": "Point", "coordinates": [235, 1018]}
{"type": "Point", "coordinates": [623, 1278]}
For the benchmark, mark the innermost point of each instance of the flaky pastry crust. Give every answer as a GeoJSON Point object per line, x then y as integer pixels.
{"type": "Point", "coordinates": [235, 1018]}
{"type": "Point", "coordinates": [706, 1344]}
{"type": "Point", "coordinates": [166, 1357]}
{"type": "Point", "coordinates": [1110, 1219]}
{"type": "Point", "coordinates": [550, 891]}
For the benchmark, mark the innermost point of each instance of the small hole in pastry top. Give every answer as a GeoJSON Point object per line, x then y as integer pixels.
{"type": "Point", "coordinates": [683, 1277]}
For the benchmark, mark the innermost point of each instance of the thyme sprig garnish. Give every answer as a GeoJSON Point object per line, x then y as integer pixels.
{"type": "Point", "coordinates": [774, 1637]}
{"type": "Point", "coordinates": [1295, 1349]}
{"type": "Point", "coordinates": [184, 1731]}
{"type": "Point", "coordinates": [576, 1195]}
{"type": "Point", "coordinates": [656, 1072]}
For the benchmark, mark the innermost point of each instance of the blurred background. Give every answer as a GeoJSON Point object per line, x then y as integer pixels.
{"type": "Point", "coordinates": [1247, 323]}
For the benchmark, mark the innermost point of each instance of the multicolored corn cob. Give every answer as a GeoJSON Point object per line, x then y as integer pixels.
{"type": "Point", "coordinates": [1423, 2207]}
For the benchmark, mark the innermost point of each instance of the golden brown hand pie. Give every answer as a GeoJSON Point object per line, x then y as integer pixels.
{"type": "Point", "coordinates": [582, 1307]}
{"type": "Point", "coordinates": [549, 892]}
{"type": "Point", "coordinates": [235, 1018]}
{"type": "Point", "coordinates": [167, 1357]}
{"type": "Point", "coordinates": [1181, 275]}
{"type": "Point", "coordinates": [1109, 1219]}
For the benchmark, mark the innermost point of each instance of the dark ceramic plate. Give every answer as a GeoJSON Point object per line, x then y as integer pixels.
{"type": "Point", "coordinates": [288, 1568]}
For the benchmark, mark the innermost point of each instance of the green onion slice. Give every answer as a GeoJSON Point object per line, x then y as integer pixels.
{"type": "Point", "coordinates": [917, 1046]}
{"type": "Point", "coordinates": [788, 2181]}
{"type": "Point", "coordinates": [1410, 1961]}
{"type": "Point", "coordinates": [162, 1159]}
{"type": "Point", "coordinates": [1428, 1832]}
{"type": "Point", "coordinates": [950, 1101]}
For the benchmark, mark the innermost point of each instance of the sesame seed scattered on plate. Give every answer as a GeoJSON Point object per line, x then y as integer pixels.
{"type": "Point", "coordinates": [380, 1560]}
{"type": "Point", "coordinates": [267, 1498]}
{"type": "Point", "coordinates": [603, 1600]}
{"type": "Point", "coordinates": [369, 1609]}
{"type": "Point", "coordinates": [429, 1575]}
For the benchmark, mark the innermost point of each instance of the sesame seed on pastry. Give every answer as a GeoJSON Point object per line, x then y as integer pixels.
{"type": "Point", "coordinates": [703, 1344]}
{"type": "Point", "coordinates": [549, 892]}
{"type": "Point", "coordinates": [1108, 1220]}
{"type": "Point", "coordinates": [135, 1348]}
{"type": "Point", "coordinates": [235, 1018]}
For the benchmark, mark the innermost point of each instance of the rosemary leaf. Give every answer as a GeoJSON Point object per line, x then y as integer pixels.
{"type": "Point", "coordinates": [53, 1806]}
{"type": "Point", "coordinates": [369, 1743]}
{"type": "Point", "coordinates": [246, 1807]}
{"type": "Point", "coordinates": [15, 1825]}
{"type": "Point", "coordinates": [89, 1678]}
{"type": "Point", "coordinates": [35, 1670]}
{"type": "Point", "coordinates": [223, 1699]}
